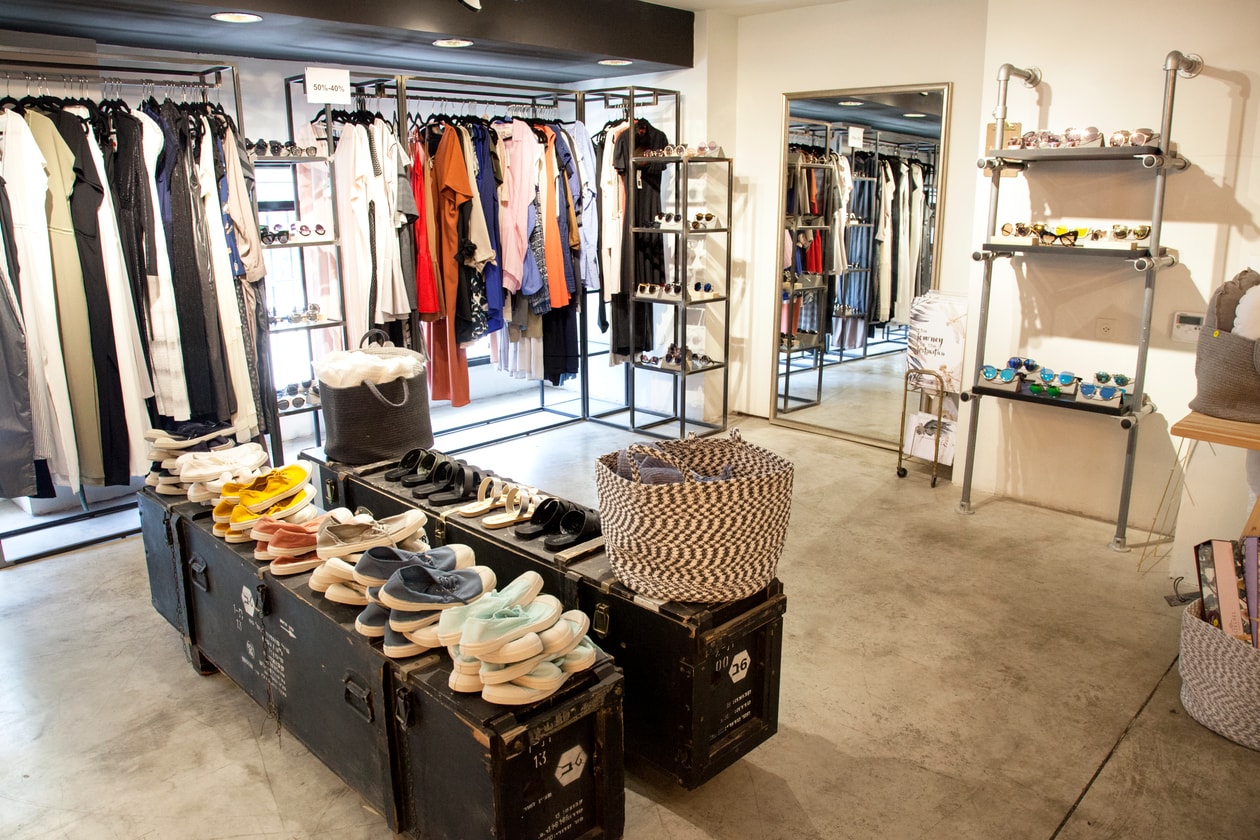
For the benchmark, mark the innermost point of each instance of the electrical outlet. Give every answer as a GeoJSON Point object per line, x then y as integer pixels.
{"type": "Point", "coordinates": [1105, 328]}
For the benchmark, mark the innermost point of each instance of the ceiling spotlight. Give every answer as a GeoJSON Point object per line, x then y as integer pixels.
{"type": "Point", "coordinates": [235, 17]}
{"type": "Point", "coordinates": [452, 43]}
{"type": "Point", "coordinates": [615, 62]}
{"type": "Point", "coordinates": [475, 5]}
{"type": "Point", "coordinates": [914, 116]}
{"type": "Point", "coordinates": [851, 103]}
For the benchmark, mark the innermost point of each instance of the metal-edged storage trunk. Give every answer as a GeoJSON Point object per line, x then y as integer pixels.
{"type": "Point", "coordinates": [548, 771]}
{"type": "Point", "coordinates": [393, 730]}
{"type": "Point", "coordinates": [719, 665]}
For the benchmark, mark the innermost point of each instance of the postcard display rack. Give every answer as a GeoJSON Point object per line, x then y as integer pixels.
{"type": "Point", "coordinates": [1158, 159]}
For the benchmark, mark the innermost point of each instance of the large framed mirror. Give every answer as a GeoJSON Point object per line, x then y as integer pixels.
{"type": "Point", "coordinates": [863, 180]}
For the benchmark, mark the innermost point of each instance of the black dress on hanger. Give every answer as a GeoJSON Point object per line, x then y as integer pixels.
{"type": "Point", "coordinates": [642, 254]}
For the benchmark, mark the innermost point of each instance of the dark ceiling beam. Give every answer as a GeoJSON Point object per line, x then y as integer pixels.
{"type": "Point", "coordinates": [612, 28]}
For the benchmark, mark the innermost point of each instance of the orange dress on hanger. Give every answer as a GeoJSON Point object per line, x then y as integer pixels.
{"type": "Point", "coordinates": [448, 361]}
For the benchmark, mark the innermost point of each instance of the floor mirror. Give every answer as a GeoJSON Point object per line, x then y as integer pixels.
{"type": "Point", "coordinates": [863, 179]}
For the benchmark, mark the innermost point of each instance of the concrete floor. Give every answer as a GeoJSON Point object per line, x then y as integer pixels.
{"type": "Point", "coordinates": [1002, 675]}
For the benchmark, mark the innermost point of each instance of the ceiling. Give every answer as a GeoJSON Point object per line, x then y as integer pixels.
{"type": "Point", "coordinates": [884, 111]}
{"type": "Point", "coordinates": [528, 40]}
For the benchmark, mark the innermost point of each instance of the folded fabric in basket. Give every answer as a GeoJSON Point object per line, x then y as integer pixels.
{"type": "Point", "coordinates": [346, 369]}
{"type": "Point", "coordinates": [653, 470]}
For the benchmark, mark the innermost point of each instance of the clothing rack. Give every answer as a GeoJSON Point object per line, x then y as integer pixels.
{"type": "Point", "coordinates": [525, 101]}
{"type": "Point", "coordinates": [77, 67]}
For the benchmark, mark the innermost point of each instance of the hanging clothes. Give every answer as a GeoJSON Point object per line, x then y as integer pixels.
{"type": "Point", "coordinates": [644, 260]}
{"type": "Point", "coordinates": [17, 438]}
{"type": "Point", "coordinates": [24, 169]}
{"type": "Point", "coordinates": [448, 360]}
{"type": "Point", "coordinates": [72, 302]}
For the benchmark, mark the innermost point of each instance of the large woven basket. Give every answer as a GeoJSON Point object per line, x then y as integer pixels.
{"type": "Point", "coordinates": [1220, 679]}
{"type": "Point", "coordinates": [696, 540]}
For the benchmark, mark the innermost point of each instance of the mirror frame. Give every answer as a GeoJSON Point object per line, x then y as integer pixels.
{"type": "Point", "coordinates": [947, 90]}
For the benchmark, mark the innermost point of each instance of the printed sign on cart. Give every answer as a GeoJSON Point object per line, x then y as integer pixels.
{"type": "Point", "coordinates": [938, 335]}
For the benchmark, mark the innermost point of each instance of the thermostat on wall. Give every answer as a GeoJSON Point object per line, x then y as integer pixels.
{"type": "Point", "coordinates": [1185, 327]}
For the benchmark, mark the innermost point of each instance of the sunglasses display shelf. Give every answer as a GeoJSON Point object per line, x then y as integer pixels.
{"type": "Point", "coordinates": [432, 762]}
{"type": "Point", "coordinates": [317, 264]}
{"type": "Point", "coordinates": [701, 680]}
{"type": "Point", "coordinates": [691, 291]}
{"type": "Point", "coordinates": [1144, 165]}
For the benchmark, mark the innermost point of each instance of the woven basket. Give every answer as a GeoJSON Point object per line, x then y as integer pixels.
{"type": "Point", "coordinates": [1220, 679]}
{"type": "Point", "coordinates": [368, 423]}
{"type": "Point", "coordinates": [697, 540]}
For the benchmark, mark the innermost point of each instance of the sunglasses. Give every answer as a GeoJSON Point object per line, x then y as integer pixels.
{"type": "Point", "coordinates": [1058, 236]}
{"type": "Point", "coordinates": [1136, 137]}
{"type": "Point", "coordinates": [1016, 363]}
{"type": "Point", "coordinates": [702, 287]}
{"type": "Point", "coordinates": [1089, 136]}
{"type": "Point", "coordinates": [305, 230]}
{"type": "Point", "coordinates": [278, 236]}
{"type": "Point", "coordinates": [1040, 388]}
{"type": "Point", "coordinates": [1090, 391]}
{"type": "Point", "coordinates": [1006, 374]}
{"type": "Point", "coordinates": [1124, 231]}
{"type": "Point", "coordinates": [1102, 377]}
{"type": "Point", "coordinates": [645, 359]}
{"type": "Point", "coordinates": [663, 219]}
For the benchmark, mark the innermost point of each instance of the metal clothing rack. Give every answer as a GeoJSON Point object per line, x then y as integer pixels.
{"type": "Point", "coordinates": [85, 69]}
{"type": "Point", "coordinates": [628, 100]}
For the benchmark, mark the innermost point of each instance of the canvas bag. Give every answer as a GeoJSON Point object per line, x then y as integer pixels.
{"type": "Point", "coordinates": [374, 422]}
{"type": "Point", "coordinates": [1227, 366]}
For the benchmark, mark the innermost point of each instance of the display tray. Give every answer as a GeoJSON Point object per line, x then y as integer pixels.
{"type": "Point", "coordinates": [1078, 153]}
{"type": "Point", "coordinates": [1068, 251]}
{"type": "Point", "coordinates": [1074, 401]}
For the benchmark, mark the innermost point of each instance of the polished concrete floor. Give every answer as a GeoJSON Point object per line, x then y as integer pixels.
{"type": "Point", "coordinates": [1002, 675]}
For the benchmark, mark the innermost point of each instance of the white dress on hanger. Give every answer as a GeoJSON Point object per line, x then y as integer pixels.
{"type": "Point", "coordinates": [245, 418]}
{"type": "Point", "coordinates": [24, 170]}
{"type": "Point", "coordinates": [354, 175]}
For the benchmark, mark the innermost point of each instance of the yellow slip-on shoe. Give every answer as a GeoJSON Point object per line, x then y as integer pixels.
{"type": "Point", "coordinates": [243, 518]}
{"type": "Point", "coordinates": [275, 486]}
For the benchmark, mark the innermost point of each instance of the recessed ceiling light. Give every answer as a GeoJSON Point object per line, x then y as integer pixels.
{"type": "Point", "coordinates": [914, 116]}
{"type": "Point", "coordinates": [851, 103]}
{"type": "Point", "coordinates": [615, 62]}
{"type": "Point", "coordinates": [452, 43]}
{"type": "Point", "coordinates": [236, 17]}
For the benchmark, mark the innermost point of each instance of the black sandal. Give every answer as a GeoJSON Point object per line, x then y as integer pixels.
{"type": "Point", "coordinates": [463, 486]}
{"type": "Point", "coordinates": [442, 478]}
{"type": "Point", "coordinates": [546, 519]}
{"type": "Point", "coordinates": [577, 526]}
{"type": "Point", "coordinates": [424, 468]}
{"type": "Point", "coordinates": [406, 465]}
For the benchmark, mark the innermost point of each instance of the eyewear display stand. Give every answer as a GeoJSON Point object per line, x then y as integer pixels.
{"type": "Point", "coordinates": [695, 291]}
{"type": "Point", "coordinates": [323, 269]}
{"type": "Point", "coordinates": [1157, 160]}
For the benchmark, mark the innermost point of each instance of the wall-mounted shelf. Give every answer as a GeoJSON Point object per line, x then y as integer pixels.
{"type": "Point", "coordinates": [1155, 160]}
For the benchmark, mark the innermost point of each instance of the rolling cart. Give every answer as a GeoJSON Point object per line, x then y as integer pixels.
{"type": "Point", "coordinates": [914, 384]}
